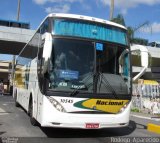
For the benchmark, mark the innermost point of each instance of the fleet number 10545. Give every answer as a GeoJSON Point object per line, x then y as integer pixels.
{"type": "Point", "coordinates": [66, 100]}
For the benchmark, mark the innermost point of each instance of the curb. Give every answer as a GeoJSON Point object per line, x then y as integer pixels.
{"type": "Point", "coordinates": [153, 128]}
{"type": "Point", "coordinates": [146, 117]}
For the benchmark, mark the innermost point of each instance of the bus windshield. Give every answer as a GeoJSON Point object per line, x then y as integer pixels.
{"type": "Point", "coordinates": [74, 64]}
{"type": "Point", "coordinates": [71, 59]}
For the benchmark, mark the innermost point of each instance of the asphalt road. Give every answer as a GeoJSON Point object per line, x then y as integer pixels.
{"type": "Point", "coordinates": [14, 122]}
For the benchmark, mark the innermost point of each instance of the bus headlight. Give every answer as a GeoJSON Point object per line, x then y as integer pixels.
{"type": "Point", "coordinates": [56, 104]}
{"type": "Point", "coordinates": [124, 107]}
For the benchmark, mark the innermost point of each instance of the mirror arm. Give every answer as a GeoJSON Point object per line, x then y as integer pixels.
{"type": "Point", "coordinates": [144, 61]}
{"type": "Point", "coordinates": [140, 74]}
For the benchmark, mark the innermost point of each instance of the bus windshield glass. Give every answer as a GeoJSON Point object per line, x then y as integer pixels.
{"type": "Point", "coordinates": [71, 59]}
{"type": "Point", "coordinates": [73, 65]}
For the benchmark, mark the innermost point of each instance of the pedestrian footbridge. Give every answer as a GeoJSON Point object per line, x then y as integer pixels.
{"type": "Point", "coordinates": [13, 39]}
{"type": "Point", "coordinates": [13, 36]}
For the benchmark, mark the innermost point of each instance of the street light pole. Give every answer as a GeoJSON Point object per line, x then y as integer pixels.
{"type": "Point", "coordinates": [13, 59]}
{"type": "Point", "coordinates": [18, 9]}
{"type": "Point", "coordinates": [111, 9]}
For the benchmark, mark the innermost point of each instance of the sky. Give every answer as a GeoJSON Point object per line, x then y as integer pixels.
{"type": "Point", "coordinates": [135, 12]}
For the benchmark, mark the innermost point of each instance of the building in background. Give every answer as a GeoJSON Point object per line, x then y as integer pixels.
{"type": "Point", "coordinates": [146, 90]}
{"type": "Point", "coordinates": [5, 73]}
{"type": "Point", "coordinates": [13, 36]}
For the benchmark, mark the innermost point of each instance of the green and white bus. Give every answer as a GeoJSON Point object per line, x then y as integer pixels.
{"type": "Point", "coordinates": [75, 73]}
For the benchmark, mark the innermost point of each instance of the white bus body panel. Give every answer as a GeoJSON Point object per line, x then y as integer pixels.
{"type": "Point", "coordinates": [51, 117]}
{"type": "Point", "coordinates": [23, 94]}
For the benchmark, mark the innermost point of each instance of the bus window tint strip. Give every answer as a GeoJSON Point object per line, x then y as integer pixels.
{"type": "Point", "coordinates": [89, 30]}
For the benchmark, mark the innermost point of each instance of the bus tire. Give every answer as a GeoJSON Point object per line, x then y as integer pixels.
{"type": "Point", "coordinates": [17, 104]}
{"type": "Point", "coordinates": [32, 119]}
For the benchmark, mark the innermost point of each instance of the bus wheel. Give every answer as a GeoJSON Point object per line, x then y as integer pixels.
{"type": "Point", "coordinates": [32, 120]}
{"type": "Point", "coordinates": [17, 104]}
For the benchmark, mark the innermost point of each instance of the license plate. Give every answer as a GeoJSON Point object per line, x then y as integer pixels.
{"type": "Point", "coordinates": [92, 125]}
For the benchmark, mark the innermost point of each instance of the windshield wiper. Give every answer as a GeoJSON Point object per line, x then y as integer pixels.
{"type": "Point", "coordinates": [74, 93]}
{"type": "Point", "coordinates": [77, 90]}
{"type": "Point", "coordinates": [106, 84]}
{"type": "Point", "coordinates": [97, 76]}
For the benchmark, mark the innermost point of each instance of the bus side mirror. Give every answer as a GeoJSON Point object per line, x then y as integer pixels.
{"type": "Point", "coordinates": [44, 66]}
{"type": "Point", "coordinates": [124, 64]}
{"type": "Point", "coordinates": [47, 49]}
{"type": "Point", "coordinates": [144, 54]}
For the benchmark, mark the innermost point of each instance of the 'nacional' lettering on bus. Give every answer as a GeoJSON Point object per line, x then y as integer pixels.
{"type": "Point", "coordinates": [100, 102]}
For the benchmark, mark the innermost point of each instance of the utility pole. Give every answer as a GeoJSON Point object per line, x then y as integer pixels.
{"type": "Point", "coordinates": [13, 59]}
{"type": "Point", "coordinates": [18, 9]}
{"type": "Point", "coordinates": [111, 9]}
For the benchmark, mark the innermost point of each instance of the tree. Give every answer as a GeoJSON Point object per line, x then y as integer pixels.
{"type": "Point", "coordinates": [119, 19]}
{"type": "Point", "coordinates": [131, 30]}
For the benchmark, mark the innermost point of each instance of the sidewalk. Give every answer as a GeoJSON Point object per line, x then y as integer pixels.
{"type": "Point", "coordinates": [153, 124]}
{"type": "Point", "coordinates": [146, 115]}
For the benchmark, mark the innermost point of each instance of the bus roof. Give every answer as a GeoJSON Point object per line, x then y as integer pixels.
{"type": "Point", "coordinates": [83, 17]}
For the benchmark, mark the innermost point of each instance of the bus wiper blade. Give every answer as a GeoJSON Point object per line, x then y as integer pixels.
{"type": "Point", "coordinates": [80, 87]}
{"type": "Point", "coordinates": [107, 84]}
{"type": "Point", "coordinates": [74, 93]}
{"type": "Point", "coordinates": [76, 90]}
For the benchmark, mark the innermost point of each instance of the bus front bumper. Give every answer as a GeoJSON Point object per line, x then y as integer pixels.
{"type": "Point", "coordinates": [54, 118]}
